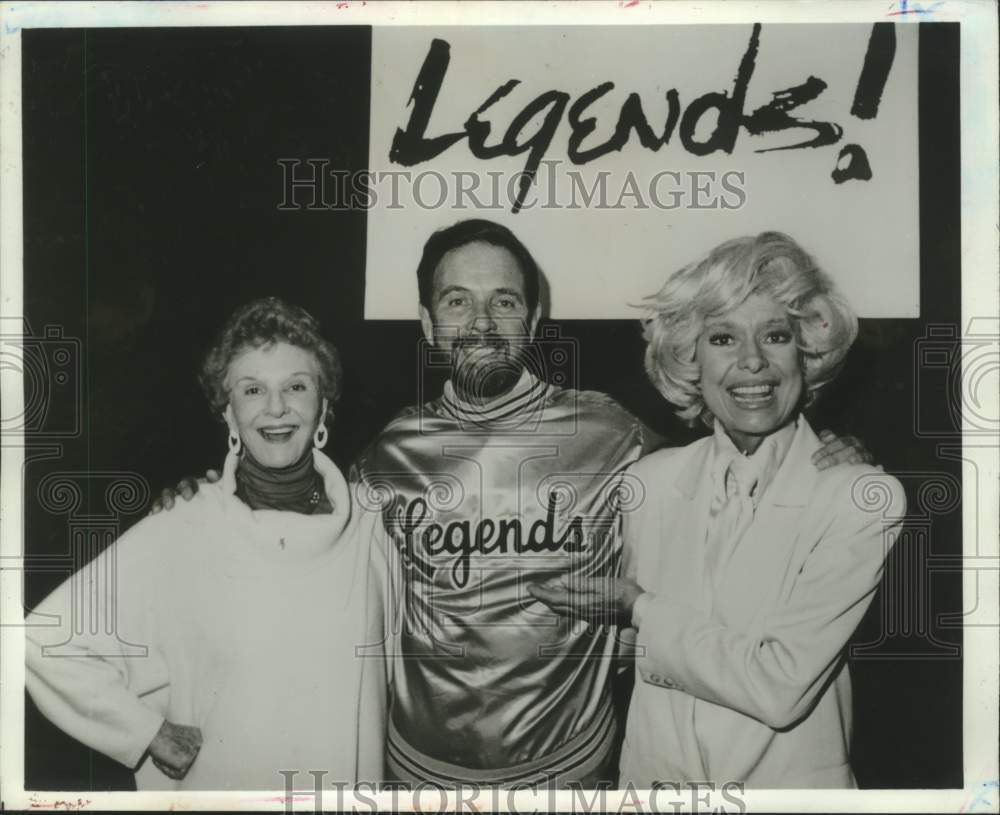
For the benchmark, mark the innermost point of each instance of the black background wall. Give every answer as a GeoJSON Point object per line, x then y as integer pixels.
{"type": "Point", "coordinates": [151, 187]}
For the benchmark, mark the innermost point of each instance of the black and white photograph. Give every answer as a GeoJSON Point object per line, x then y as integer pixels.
{"type": "Point", "coordinates": [500, 406]}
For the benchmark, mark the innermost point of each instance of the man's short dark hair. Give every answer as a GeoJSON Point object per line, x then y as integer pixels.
{"type": "Point", "coordinates": [476, 230]}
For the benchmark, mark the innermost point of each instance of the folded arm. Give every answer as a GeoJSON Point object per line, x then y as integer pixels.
{"type": "Point", "coordinates": [774, 676]}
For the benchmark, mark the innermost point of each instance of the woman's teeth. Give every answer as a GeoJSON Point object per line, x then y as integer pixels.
{"type": "Point", "coordinates": [752, 394]}
{"type": "Point", "coordinates": [277, 434]}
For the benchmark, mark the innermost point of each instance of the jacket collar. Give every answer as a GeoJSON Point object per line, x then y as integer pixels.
{"type": "Point", "coordinates": [513, 408]}
{"type": "Point", "coordinates": [795, 481]}
{"type": "Point", "coordinates": [764, 462]}
{"type": "Point", "coordinates": [793, 484]}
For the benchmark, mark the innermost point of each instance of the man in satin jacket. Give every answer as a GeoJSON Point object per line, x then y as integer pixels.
{"type": "Point", "coordinates": [503, 481]}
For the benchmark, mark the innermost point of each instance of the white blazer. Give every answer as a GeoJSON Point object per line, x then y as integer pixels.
{"type": "Point", "coordinates": [751, 685]}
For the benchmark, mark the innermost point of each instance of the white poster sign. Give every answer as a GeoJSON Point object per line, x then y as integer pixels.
{"type": "Point", "coordinates": [618, 154]}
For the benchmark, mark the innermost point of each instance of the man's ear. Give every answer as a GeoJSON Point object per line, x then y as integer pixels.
{"type": "Point", "coordinates": [535, 317]}
{"type": "Point", "coordinates": [427, 324]}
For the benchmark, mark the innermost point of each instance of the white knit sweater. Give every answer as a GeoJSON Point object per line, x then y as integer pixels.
{"type": "Point", "coordinates": [246, 624]}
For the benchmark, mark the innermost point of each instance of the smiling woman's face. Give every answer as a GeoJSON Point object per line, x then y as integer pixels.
{"type": "Point", "coordinates": [274, 401]}
{"type": "Point", "coordinates": [751, 380]}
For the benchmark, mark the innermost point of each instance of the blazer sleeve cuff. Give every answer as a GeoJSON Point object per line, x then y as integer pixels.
{"type": "Point", "coordinates": [640, 608]}
{"type": "Point", "coordinates": [661, 624]}
{"type": "Point", "coordinates": [145, 727]}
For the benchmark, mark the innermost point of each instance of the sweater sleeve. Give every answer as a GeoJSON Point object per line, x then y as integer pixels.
{"type": "Point", "coordinates": [386, 566]}
{"type": "Point", "coordinates": [775, 676]}
{"type": "Point", "coordinates": [372, 702]}
{"type": "Point", "coordinates": [90, 654]}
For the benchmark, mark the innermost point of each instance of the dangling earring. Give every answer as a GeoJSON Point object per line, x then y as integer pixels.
{"type": "Point", "coordinates": [320, 436]}
{"type": "Point", "coordinates": [231, 463]}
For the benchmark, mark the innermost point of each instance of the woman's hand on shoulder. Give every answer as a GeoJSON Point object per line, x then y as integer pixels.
{"type": "Point", "coordinates": [174, 748]}
{"type": "Point", "coordinates": [186, 488]}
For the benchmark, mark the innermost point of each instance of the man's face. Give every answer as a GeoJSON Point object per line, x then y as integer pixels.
{"type": "Point", "coordinates": [478, 312]}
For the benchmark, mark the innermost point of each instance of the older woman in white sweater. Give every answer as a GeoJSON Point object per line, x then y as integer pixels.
{"type": "Point", "coordinates": [747, 568]}
{"type": "Point", "coordinates": [241, 637]}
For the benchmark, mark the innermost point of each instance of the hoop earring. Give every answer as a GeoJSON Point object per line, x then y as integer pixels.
{"type": "Point", "coordinates": [320, 436]}
{"type": "Point", "coordinates": [235, 444]}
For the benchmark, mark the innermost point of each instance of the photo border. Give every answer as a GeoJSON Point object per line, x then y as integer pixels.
{"type": "Point", "coordinates": [980, 276]}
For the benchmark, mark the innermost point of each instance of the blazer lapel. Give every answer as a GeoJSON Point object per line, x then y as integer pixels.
{"type": "Point", "coordinates": [758, 569]}
{"type": "Point", "coordinates": [795, 482]}
{"type": "Point", "coordinates": [687, 522]}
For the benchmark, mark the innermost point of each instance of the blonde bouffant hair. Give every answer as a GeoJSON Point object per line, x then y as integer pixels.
{"type": "Point", "coordinates": [770, 264]}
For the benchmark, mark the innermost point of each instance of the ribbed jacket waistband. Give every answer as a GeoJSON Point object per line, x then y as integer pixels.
{"type": "Point", "coordinates": [579, 759]}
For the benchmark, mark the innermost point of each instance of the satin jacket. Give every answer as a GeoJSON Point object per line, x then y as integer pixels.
{"type": "Point", "coordinates": [488, 684]}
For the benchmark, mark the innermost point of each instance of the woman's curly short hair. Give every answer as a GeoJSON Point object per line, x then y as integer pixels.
{"type": "Point", "coordinates": [771, 264]}
{"type": "Point", "coordinates": [261, 323]}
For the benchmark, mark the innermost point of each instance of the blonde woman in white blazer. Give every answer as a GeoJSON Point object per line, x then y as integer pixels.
{"type": "Point", "coordinates": [747, 568]}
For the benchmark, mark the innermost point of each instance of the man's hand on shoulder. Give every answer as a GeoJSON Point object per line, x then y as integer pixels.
{"type": "Point", "coordinates": [186, 489]}
{"type": "Point", "coordinates": [840, 450]}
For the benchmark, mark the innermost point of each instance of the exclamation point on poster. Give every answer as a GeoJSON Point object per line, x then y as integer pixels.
{"type": "Point", "coordinates": [852, 162]}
